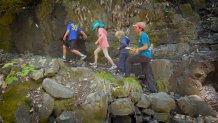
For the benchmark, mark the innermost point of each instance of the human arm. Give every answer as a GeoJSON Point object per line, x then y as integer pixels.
{"type": "Point", "coordinates": [84, 34]}
{"type": "Point", "coordinates": [65, 35]}
{"type": "Point", "coordinates": [99, 39]}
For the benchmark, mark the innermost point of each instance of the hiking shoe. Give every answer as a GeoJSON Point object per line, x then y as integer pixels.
{"type": "Point", "coordinates": [93, 65]}
{"type": "Point", "coordinates": [113, 67]}
{"type": "Point", "coordinates": [64, 59]}
{"type": "Point", "coordinates": [83, 57]}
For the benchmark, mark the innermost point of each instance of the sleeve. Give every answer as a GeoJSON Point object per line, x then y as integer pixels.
{"type": "Point", "coordinates": [144, 39]}
{"type": "Point", "coordinates": [68, 26]}
{"type": "Point", "coordinates": [78, 30]}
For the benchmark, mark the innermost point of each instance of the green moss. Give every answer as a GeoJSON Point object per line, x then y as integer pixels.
{"type": "Point", "coordinates": [12, 98]}
{"type": "Point", "coordinates": [63, 105]}
{"type": "Point", "coordinates": [106, 76]}
{"type": "Point", "coordinates": [162, 85]}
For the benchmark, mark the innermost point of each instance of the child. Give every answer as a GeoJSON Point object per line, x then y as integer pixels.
{"type": "Point", "coordinates": [102, 44]}
{"type": "Point", "coordinates": [124, 42]}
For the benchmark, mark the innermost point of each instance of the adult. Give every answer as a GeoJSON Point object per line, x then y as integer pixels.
{"type": "Point", "coordinates": [142, 55]}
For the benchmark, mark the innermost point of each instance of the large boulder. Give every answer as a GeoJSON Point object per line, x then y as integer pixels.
{"type": "Point", "coordinates": [56, 90]}
{"type": "Point", "coordinates": [194, 105]}
{"type": "Point", "coordinates": [47, 107]}
{"type": "Point", "coordinates": [162, 102]}
{"type": "Point", "coordinates": [95, 107]}
{"type": "Point", "coordinates": [122, 107]}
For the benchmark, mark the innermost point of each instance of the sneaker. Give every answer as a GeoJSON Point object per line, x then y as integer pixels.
{"type": "Point", "coordinates": [83, 57]}
{"type": "Point", "coordinates": [63, 59]}
{"type": "Point", "coordinates": [113, 67]}
{"type": "Point", "coordinates": [93, 65]}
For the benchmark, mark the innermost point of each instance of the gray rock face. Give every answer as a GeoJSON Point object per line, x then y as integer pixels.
{"type": "Point", "coordinates": [22, 115]}
{"type": "Point", "coordinates": [67, 117]}
{"type": "Point", "coordinates": [194, 105]}
{"type": "Point", "coordinates": [162, 102]}
{"type": "Point", "coordinates": [96, 106]}
{"type": "Point", "coordinates": [144, 102]}
{"type": "Point", "coordinates": [51, 68]}
{"type": "Point", "coordinates": [170, 51]}
{"type": "Point", "coordinates": [55, 89]}
{"type": "Point", "coordinates": [47, 107]}
{"type": "Point", "coordinates": [38, 74]}
{"type": "Point", "coordinates": [122, 107]}
{"type": "Point", "coordinates": [214, 24]}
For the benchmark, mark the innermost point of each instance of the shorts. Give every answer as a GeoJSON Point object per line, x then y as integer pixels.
{"type": "Point", "coordinates": [71, 44]}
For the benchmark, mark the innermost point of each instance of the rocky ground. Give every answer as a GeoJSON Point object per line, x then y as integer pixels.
{"type": "Point", "coordinates": [56, 92]}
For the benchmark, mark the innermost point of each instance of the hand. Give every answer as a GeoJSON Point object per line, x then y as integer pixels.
{"type": "Point", "coordinates": [64, 38]}
{"type": "Point", "coordinates": [134, 51]}
{"type": "Point", "coordinates": [84, 37]}
{"type": "Point", "coordinates": [96, 43]}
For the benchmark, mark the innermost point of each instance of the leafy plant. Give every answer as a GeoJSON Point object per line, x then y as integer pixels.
{"type": "Point", "coordinates": [24, 70]}
{"type": "Point", "coordinates": [9, 64]}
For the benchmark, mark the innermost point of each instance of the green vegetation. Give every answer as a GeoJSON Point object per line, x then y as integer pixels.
{"type": "Point", "coordinates": [12, 98]}
{"type": "Point", "coordinates": [23, 71]}
{"type": "Point", "coordinates": [9, 64]}
{"type": "Point", "coordinates": [162, 85]}
{"type": "Point", "coordinates": [106, 76]}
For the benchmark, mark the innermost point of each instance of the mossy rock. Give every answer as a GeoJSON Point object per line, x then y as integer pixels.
{"type": "Point", "coordinates": [14, 97]}
{"type": "Point", "coordinates": [64, 105]}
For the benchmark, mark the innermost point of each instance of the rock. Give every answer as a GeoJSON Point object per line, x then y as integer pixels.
{"type": "Point", "coordinates": [214, 24]}
{"type": "Point", "coordinates": [1, 120]}
{"type": "Point", "coordinates": [96, 105]}
{"type": "Point", "coordinates": [194, 105]}
{"type": "Point", "coordinates": [170, 51]}
{"type": "Point", "coordinates": [55, 89]}
{"type": "Point", "coordinates": [38, 74]}
{"type": "Point", "coordinates": [144, 102]}
{"type": "Point", "coordinates": [122, 119]}
{"type": "Point", "coordinates": [67, 117]}
{"type": "Point", "coordinates": [187, 12]}
{"type": "Point", "coordinates": [51, 68]}
{"type": "Point", "coordinates": [162, 102]}
{"type": "Point", "coordinates": [122, 107]}
{"type": "Point", "coordinates": [210, 119]}
{"type": "Point", "coordinates": [22, 114]}
{"type": "Point", "coordinates": [163, 117]}
{"type": "Point", "coordinates": [135, 96]}
{"type": "Point", "coordinates": [148, 112]}
{"type": "Point", "coordinates": [198, 4]}
{"type": "Point", "coordinates": [47, 107]}
{"type": "Point", "coordinates": [162, 78]}
{"type": "Point", "coordinates": [120, 91]}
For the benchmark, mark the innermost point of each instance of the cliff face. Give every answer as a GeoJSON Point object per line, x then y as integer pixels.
{"type": "Point", "coordinates": [184, 35]}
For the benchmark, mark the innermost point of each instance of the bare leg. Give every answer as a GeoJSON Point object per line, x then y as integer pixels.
{"type": "Point", "coordinates": [105, 51]}
{"type": "Point", "coordinates": [96, 54]}
{"type": "Point", "coordinates": [64, 51]}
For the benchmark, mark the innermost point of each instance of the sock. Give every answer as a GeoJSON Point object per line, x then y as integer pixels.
{"type": "Point", "coordinates": [82, 54]}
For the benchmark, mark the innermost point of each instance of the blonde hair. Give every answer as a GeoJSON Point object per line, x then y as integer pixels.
{"type": "Point", "coordinates": [119, 33]}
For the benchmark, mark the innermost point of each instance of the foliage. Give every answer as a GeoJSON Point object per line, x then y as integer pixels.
{"type": "Point", "coordinates": [106, 76]}
{"type": "Point", "coordinates": [9, 64]}
{"type": "Point", "coordinates": [24, 70]}
{"type": "Point", "coordinates": [9, 4]}
{"type": "Point", "coordinates": [162, 85]}
{"type": "Point", "coordinates": [132, 84]}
